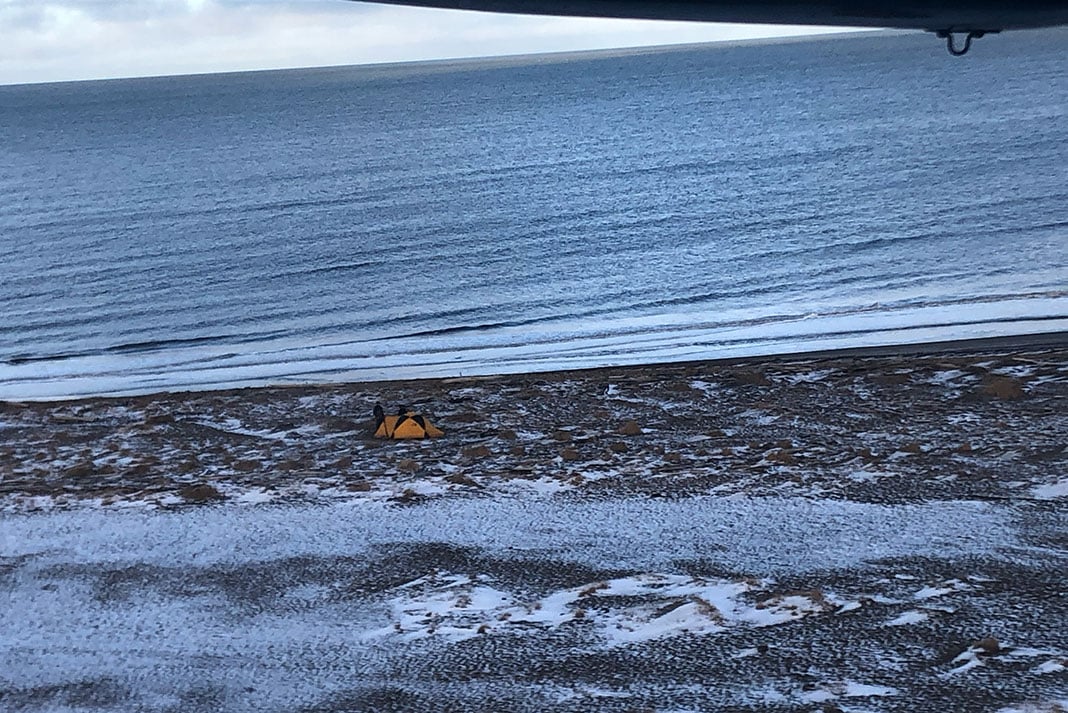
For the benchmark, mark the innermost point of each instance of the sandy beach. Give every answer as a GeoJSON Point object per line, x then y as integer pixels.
{"type": "Point", "coordinates": [865, 531]}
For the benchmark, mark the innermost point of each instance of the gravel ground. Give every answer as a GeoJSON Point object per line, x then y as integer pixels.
{"type": "Point", "coordinates": [847, 533]}
{"type": "Point", "coordinates": [875, 429]}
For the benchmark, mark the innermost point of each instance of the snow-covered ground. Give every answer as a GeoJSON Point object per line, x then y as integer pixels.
{"type": "Point", "coordinates": [841, 534]}
{"type": "Point", "coordinates": [550, 602]}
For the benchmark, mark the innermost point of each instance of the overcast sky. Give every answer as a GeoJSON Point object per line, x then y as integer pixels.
{"type": "Point", "coordinates": [55, 40]}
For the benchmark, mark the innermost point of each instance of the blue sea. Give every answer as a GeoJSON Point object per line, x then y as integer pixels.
{"type": "Point", "coordinates": [532, 213]}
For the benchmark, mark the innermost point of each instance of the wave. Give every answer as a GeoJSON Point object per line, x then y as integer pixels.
{"type": "Point", "coordinates": [503, 348]}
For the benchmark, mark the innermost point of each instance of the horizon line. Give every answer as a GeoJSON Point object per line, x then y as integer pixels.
{"type": "Point", "coordinates": [835, 34]}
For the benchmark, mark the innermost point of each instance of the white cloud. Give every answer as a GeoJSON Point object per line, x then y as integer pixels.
{"type": "Point", "coordinates": [86, 39]}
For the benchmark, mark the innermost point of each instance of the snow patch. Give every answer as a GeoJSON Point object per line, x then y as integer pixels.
{"type": "Point", "coordinates": [929, 592]}
{"type": "Point", "coordinates": [863, 690]}
{"type": "Point", "coordinates": [846, 689]}
{"type": "Point", "coordinates": [255, 496]}
{"type": "Point", "coordinates": [909, 617]}
{"type": "Point", "coordinates": [705, 386]}
{"type": "Point", "coordinates": [810, 377]}
{"type": "Point", "coordinates": [863, 476]}
{"type": "Point", "coordinates": [949, 376]}
{"type": "Point", "coordinates": [1051, 490]}
{"type": "Point", "coordinates": [967, 660]}
{"type": "Point", "coordinates": [457, 607]}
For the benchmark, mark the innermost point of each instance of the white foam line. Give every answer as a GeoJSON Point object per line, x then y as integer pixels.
{"type": "Point", "coordinates": [565, 345]}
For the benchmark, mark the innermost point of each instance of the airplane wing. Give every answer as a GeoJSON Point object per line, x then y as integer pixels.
{"type": "Point", "coordinates": [944, 16]}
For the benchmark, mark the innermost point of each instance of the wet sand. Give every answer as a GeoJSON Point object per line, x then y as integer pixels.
{"type": "Point", "coordinates": [835, 532]}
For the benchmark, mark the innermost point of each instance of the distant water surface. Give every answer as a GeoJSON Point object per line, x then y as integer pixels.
{"type": "Point", "coordinates": [512, 215]}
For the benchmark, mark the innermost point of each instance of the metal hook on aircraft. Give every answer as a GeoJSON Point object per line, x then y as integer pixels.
{"type": "Point", "coordinates": [947, 35]}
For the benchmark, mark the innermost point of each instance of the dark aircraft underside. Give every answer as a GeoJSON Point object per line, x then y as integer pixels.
{"type": "Point", "coordinates": [939, 15]}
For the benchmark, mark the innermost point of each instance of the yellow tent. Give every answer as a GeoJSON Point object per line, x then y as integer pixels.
{"type": "Point", "coordinates": [406, 424]}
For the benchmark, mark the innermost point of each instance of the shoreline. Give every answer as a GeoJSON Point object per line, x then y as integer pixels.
{"type": "Point", "coordinates": [999, 344]}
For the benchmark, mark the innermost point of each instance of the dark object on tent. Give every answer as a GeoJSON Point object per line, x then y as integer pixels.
{"type": "Point", "coordinates": [406, 424]}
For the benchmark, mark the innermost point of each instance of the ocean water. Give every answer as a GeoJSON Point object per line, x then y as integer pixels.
{"type": "Point", "coordinates": [530, 213]}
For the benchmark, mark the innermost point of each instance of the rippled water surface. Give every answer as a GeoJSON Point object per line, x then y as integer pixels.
{"type": "Point", "coordinates": [524, 214]}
